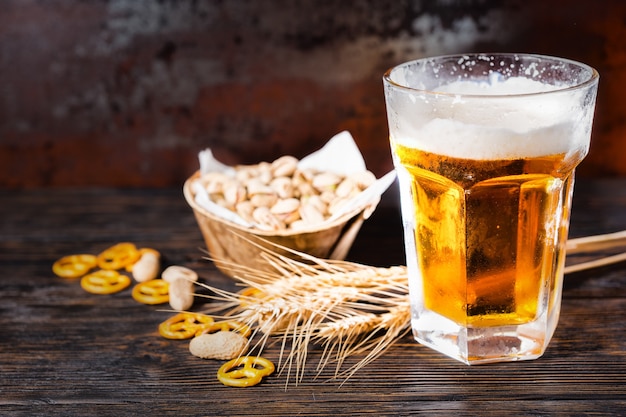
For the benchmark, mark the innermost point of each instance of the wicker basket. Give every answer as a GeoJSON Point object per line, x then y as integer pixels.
{"type": "Point", "coordinates": [232, 246]}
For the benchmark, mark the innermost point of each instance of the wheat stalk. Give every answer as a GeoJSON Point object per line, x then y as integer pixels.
{"type": "Point", "coordinates": [346, 308]}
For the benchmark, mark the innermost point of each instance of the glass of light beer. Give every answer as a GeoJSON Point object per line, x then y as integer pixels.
{"type": "Point", "coordinates": [485, 147]}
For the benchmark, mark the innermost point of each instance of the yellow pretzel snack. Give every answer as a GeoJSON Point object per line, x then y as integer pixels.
{"type": "Point", "coordinates": [155, 291]}
{"type": "Point", "coordinates": [183, 325]}
{"type": "Point", "coordinates": [242, 371]}
{"type": "Point", "coordinates": [250, 294]}
{"type": "Point", "coordinates": [118, 256]}
{"type": "Point", "coordinates": [225, 326]}
{"type": "Point", "coordinates": [74, 266]}
{"type": "Point", "coordinates": [104, 282]}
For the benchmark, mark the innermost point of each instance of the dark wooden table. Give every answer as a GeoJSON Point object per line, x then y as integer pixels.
{"type": "Point", "coordinates": [69, 353]}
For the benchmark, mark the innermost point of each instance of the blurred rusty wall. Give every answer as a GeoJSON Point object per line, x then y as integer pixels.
{"type": "Point", "coordinates": [126, 92]}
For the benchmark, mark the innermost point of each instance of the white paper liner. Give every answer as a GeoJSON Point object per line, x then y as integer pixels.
{"type": "Point", "coordinates": [340, 155]}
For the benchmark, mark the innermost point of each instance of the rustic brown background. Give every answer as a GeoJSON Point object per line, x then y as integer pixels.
{"type": "Point", "coordinates": [125, 93]}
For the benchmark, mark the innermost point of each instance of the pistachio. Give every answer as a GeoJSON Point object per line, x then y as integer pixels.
{"type": "Point", "coordinates": [289, 218]}
{"type": "Point", "coordinates": [263, 200]}
{"type": "Point", "coordinates": [147, 267]}
{"type": "Point", "coordinates": [337, 204]}
{"type": "Point", "coordinates": [244, 209]}
{"type": "Point", "coordinates": [284, 166]}
{"type": "Point", "coordinates": [310, 214]}
{"type": "Point", "coordinates": [174, 272]}
{"type": "Point", "coordinates": [299, 225]}
{"type": "Point", "coordinates": [305, 175]}
{"type": "Point", "coordinates": [181, 294]}
{"type": "Point", "coordinates": [266, 220]}
{"type": "Point", "coordinates": [287, 205]}
{"type": "Point", "coordinates": [317, 202]}
{"type": "Point", "coordinates": [326, 181]}
{"type": "Point", "coordinates": [245, 172]}
{"type": "Point", "coordinates": [280, 195]}
{"type": "Point", "coordinates": [265, 172]}
{"type": "Point", "coordinates": [305, 189]}
{"type": "Point", "coordinates": [256, 186]}
{"type": "Point", "coordinates": [282, 186]}
{"type": "Point", "coordinates": [234, 193]}
{"type": "Point", "coordinates": [214, 182]}
{"type": "Point", "coordinates": [327, 197]}
{"type": "Point", "coordinates": [286, 210]}
{"type": "Point", "coordinates": [347, 188]}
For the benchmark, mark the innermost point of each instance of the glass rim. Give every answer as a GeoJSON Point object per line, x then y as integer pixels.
{"type": "Point", "coordinates": [593, 77]}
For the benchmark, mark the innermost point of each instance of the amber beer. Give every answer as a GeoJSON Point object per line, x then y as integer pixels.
{"type": "Point", "coordinates": [486, 231]}
{"type": "Point", "coordinates": [485, 148]}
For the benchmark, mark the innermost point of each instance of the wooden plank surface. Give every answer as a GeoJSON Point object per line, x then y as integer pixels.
{"type": "Point", "coordinates": [69, 353]}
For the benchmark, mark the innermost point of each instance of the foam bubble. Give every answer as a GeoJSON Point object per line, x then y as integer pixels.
{"type": "Point", "coordinates": [495, 127]}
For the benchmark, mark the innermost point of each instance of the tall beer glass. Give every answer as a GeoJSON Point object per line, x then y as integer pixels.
{"type": "Point", "coordinates": [485, 148]}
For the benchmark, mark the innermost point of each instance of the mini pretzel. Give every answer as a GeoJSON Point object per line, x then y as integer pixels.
{"type": "Point", "coordinates": [104, 282]}
{"type": "Point", "coordinates": [183, 325]}
{"type": "Point", "coordinates": [155, 291]}
{"type": "Point", "coordinates": [249, 294]}
{"type": "Point", "coordinates": [74, 266]}
{"type": "Point", "coordinates": [225, 326]}
{"type": "Point", "coordinates": [233, 374]}
{"type": "Point", "coordinates": [118, 256]}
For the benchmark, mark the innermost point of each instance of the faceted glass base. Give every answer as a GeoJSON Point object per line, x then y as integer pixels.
{"type": "Point", "coordinates": [487, 344]}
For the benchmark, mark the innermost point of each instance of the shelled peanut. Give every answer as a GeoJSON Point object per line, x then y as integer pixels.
{"type": "Point", "coordinates": [279, 195]}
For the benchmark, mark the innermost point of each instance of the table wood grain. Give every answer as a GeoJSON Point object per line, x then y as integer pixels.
{"type": "Point", "coordinates": [69, 353]}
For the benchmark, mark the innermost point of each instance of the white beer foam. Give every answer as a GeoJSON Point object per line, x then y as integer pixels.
{"type": "Point", "coordinates": [496, 86]}
{"type": "Point", "coordinates": [500, 127]}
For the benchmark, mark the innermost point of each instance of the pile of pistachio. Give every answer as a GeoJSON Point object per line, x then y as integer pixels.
{"type": "Point", "coordinates": [279, 195]}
